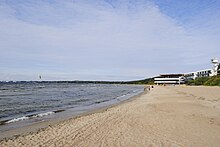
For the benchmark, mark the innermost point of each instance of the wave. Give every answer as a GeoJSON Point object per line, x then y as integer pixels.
{"type": "Point", "coordinates": [17, 119]}
{"type": "Point", "coordinates": [29, 117]}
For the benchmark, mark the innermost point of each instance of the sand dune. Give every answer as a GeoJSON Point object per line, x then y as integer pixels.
{"type": "Point", "coordinates": [165, 116]}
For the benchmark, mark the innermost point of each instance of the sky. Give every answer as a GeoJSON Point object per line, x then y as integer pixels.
{"type": "Point", "coordinates": [106, 39]}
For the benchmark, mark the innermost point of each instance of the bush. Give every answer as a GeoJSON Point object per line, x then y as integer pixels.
{"type": "Point", "coordinates": [201, 80]}
{"type": "Point", "coordinates": [213, 81]}
{"type": "Point", "coordinates": [207, 81]}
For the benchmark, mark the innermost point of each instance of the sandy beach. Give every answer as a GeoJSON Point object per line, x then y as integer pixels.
{"type": "Point", "coordinates": [164, 116]}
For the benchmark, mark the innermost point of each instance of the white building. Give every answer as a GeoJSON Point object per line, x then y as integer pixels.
{"type": "Point", "coordinates": [190, 76]}
{"type": "Point", "coordinates": [216, 67]}
{"type": "Point", "coordinates": [181, 78]}
{"type": "Point", "coordinates": [169, 79]}
{"type": "Point", "coordinates": [206, 72]}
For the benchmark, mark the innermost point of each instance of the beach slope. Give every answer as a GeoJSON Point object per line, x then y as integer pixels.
{"type": "Point", "coordinates": [165, 116]}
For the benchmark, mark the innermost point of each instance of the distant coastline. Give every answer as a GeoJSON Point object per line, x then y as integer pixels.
{"type": "Point", "coordinates": [144, 81]}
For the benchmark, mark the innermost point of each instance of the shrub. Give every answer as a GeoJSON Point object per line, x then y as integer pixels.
{"type": "Point", "coordinates": [213, 81]}
{"type": "Point", "coordinates": [201, 80]}
{"type": "Point", "coordinates": [207, 81]}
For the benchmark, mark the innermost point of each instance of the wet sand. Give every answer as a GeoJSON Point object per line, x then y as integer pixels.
{"type": "Point", "coordinates": [165, 116]}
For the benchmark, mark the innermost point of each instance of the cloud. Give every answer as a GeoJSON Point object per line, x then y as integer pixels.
{"type": "Point", "coordinates": [107, 40]}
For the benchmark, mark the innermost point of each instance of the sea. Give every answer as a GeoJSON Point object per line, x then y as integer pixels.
{"type": "Point", "coordinates": [26, 103]}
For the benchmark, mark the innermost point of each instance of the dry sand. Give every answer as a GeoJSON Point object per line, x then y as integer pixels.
{"type": "Point", "coordinates": [166, 116]}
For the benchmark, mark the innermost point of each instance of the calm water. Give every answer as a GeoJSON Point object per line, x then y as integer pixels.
{"type": "Point", "coordinates": [21, 102]}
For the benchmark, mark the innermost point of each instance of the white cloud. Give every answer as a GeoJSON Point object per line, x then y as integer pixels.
{"type": "Point", "coordinates": [122, 39]}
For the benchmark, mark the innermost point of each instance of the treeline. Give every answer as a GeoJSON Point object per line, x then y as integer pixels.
{"type": "Point", "coordinates": [145, 81]}
{"type": "Point", "coordinates": [149, 81]}
{"type": "Point", "coordinates": [206, 81]}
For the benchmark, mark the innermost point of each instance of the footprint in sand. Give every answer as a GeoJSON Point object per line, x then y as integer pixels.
{"type": "Point", "coordinates": [211, 121]}
{"type": "Point", "coordinates": [201, 98]}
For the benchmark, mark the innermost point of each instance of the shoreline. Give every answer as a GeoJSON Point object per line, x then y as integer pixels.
{"type": "Point", "coordinates": [40, 126]}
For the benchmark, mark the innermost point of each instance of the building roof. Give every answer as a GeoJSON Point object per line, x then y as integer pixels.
{"type": "Point", "coordinates": [172, 75]}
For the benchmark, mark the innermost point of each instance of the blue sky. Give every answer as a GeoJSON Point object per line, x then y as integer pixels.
{"type": "Point", "coordinates": [106, 39]}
